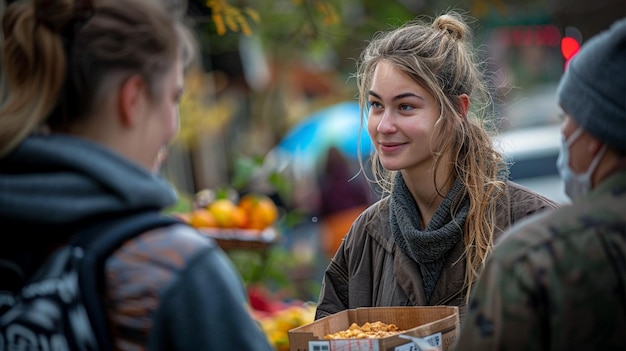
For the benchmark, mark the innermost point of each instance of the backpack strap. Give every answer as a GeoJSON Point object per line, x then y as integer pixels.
{"type": "Point", "coordinates": [98, 242]}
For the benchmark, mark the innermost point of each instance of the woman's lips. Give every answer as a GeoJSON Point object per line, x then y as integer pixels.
{"type": "Point", "coordinates": [390, 147]}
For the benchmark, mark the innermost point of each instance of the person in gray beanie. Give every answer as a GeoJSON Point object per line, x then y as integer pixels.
{"type": "Point", "coordinates": [557, 281]}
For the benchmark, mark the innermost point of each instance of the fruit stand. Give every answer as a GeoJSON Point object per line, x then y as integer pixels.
{"type": "Point", "coordinates": [244, 239]}
{"type": "Point", "coordinates": [248, 226]}
{"type": "Point", "coordinates": [244, 223]}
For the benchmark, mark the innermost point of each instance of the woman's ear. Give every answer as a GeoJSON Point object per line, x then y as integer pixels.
{"type": "Point", "coordinates": [463, 101]}
{"type": "Point", "coordinates": [130, 99]}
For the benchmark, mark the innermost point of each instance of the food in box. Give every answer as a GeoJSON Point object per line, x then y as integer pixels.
{"type": "Point", "coordinates": [437, 325]}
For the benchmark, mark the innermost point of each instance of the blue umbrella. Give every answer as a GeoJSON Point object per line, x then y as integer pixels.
{"type": "Point", "coordinates": [336, 125]}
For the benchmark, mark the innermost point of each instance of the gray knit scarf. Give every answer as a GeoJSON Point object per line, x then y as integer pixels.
{"type": "Point", "coordinates": [427, 247]}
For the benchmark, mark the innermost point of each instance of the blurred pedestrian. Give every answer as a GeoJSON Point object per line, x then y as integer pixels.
{"type": "Point", "coordinates": [558, 281]}
{"type": "Point", "coordinates": [91, 92]}
{"type": "Point", "coordinates": [448, 194]}
{"type": "Point", "coordinates": [344, 194]}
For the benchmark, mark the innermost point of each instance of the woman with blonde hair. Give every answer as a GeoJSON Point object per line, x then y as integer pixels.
{"type": "Point", "coordinates": [90, 99]}
{"type": "Point", "coordinates": [446, 196]}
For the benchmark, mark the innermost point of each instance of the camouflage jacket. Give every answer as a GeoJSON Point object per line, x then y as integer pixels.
{"type": "Point", "coordinates": [556, 281]}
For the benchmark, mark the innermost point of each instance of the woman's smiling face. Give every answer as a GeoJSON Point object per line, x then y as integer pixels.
{"type": "Point", "coordinates": [401, 118]}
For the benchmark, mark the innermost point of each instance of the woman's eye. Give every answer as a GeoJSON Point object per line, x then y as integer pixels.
{"type": "Point", "coordinates": [405, 107]}
{"type": "Point", "coordinates": [374, 104]}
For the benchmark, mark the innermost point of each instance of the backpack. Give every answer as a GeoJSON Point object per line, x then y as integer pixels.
{"type": "Point", "coordinates": [60, 307]}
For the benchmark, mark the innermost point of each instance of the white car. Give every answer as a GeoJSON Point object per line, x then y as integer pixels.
{"type": "Point", "coordinates": [533, 152]}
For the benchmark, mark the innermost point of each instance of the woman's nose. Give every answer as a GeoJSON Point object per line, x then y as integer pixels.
{"type": "Point", "coordinates": [386, 124]}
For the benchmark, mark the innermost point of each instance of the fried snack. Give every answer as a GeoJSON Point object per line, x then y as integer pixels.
{"type": "Point", "coordinates": [366, 331]}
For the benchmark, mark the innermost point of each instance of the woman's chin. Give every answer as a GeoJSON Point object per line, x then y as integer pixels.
{"type": "Point", "coordinates": [391, 165]}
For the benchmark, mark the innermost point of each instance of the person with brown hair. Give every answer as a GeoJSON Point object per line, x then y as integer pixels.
{"type": "Point", "coordinates": [446, 193]}
{"type": "Point", "coordinates": [90, 99]}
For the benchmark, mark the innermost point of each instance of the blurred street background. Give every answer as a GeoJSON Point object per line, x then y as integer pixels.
{"type": "Point", "coordinates": [267, 65]}
{"type": "Point", "coordinates": [272, 110]}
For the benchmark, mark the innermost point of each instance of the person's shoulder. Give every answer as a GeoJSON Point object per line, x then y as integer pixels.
{"type": "Point", "coordinates": [522, 202]}
{"type": "Point", "coordinates": [173, 245]}
{"type": "Point", "coordinates": [539, 232]}
{"type": "Point", "coordinates": [373, 222]}
{"type": "Point", "coordinates": [520, 193]}
{"type": "Point", "coordinates": [183, 236]}
{"type": "Point", "coordinates": [549, 237]}
{"type": "Point", "coordinates": [373, 210]}
{"type": "Point", "coordinates": [371, 214]}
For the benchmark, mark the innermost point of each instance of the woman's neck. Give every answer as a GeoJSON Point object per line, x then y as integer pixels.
{"type": "Point", "coordinates": [428, 192]}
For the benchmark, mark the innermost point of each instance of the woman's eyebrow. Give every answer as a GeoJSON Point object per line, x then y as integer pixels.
{"type": "Point", "coordinates": [404, 95]}
{"type": "Point", "coordinates": [397, 97]}
{"type": "Point", "coordinates": [369, 92]}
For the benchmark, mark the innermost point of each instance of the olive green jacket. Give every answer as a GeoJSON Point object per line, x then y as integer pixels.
{"type": "Point", "coordinates": [368, 269]}
{"type": "Point", "coordinates": [557, 281]}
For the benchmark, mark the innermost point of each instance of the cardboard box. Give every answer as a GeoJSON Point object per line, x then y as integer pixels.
{"type": "Point", "coordinates": [438, 325]}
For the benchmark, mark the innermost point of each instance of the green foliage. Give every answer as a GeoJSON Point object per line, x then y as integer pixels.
{"type": "Point", "coordinates": [183, 205]}
{"type": "Point", "coordinates": [250, 171]}
{"type": "Point", "coordinates": [245, 169]}
{"type": "Point", "coordinates": [275, 268]}
{"type": "Point", "coordinates": [268, 267]}
{"type": "Point", "coordinates": [280, 183]}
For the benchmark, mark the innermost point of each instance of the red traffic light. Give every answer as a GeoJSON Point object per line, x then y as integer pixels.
{"type": "Point", "coordinates": [569, 48]}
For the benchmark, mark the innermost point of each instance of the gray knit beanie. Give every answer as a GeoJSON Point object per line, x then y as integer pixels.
{"type": "Point", "coordinates": [593, 89]}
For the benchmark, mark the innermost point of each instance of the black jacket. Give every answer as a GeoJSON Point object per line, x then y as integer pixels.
{"type": "Point", "coordinates": [171, 288]}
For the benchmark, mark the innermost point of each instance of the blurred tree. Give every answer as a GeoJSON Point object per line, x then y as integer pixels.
{"type": "Point", "coordinates": [280, 60]}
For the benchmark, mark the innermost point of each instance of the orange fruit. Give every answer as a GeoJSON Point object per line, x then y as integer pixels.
{"type": "Point", "coordinates": [202, 218]}
{"type": "Point", "coordinates": [224, 212]}
{"type": "Point", "coordinates": [240, 217]}
{"type": "Point", "coordinates": [260, 209]}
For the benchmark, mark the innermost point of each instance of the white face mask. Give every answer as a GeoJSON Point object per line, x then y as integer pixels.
{"type": "Point", "coordinates": [576, 185]}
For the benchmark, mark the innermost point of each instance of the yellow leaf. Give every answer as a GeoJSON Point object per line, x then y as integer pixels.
{"type": "Point", "coordinates": [252, 14]}
{"type": "Point", "coordinates": [220, 28]}
{"type": "Point", "coordinates": [245, 28]}
{"type": "Point", "coordinates": [228, 17]}
{"type": "Point", "coordinates": [328, 12]}
{"type": "Point", "coordinates": [231, 19]}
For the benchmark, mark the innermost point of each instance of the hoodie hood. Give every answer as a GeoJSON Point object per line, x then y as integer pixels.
{"type": "Point", "coordinates": [55, 181]}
